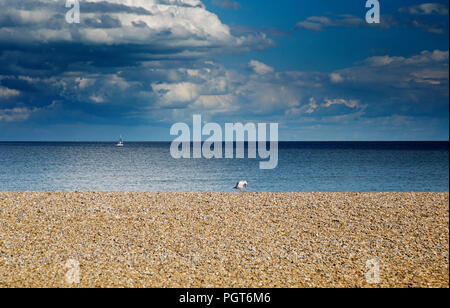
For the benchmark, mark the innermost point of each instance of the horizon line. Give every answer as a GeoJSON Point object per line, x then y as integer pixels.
{"type": "Point", "coordinates": [170, 141]}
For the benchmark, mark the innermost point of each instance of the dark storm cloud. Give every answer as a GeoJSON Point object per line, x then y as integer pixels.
{"type": "Point", "coordinates": [35, 40]}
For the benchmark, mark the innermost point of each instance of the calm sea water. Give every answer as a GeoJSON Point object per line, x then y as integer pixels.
{"type": "Point", "coordinates": [303, 166]}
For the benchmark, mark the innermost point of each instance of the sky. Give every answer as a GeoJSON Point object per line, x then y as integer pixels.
{"type": "Point", "coordinates": [136, 67]}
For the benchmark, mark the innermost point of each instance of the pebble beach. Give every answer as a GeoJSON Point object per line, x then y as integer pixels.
{"type": "Point", "coordinates": [281, 240]}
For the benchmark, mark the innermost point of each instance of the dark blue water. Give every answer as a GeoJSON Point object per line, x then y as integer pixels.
{"type": "Point", "coordinates": [303, 166]}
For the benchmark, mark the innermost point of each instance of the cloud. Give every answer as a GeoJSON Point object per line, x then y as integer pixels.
{"type": "Point", "coordinates": [6, 93]}
{"type": "Point", "coordinates": [388, 21]}
{"type": "Point", "coordinates": [319, 23]}
{"type": "Point", "coordinates": [97, 99]}
{"type": "Point", "coordinates": [422, 58]}
{"type": "Point", "coordinates": [351, 103]}
{"type": "Point", "coordinates": [175, 93]}
{"type": "Point", "coordinates": [440, 28]}
{"type": "Point", "coordinates": [425, 9]}
{"type": "Point", "coordinates": [227, 4]}
{"type": "Point", "coordinates": [157, 27]}
{"type": "Point", "coordinates": [215, 104]}
{"type": "Point", "coordinates": [303, 110]}
{"type": "Point", "coordinates": [163, 92]}
{"type": "Point", "coordinates": [311, 26]}
{"type": "Point", "coordinates": [260, 68]}
{"type": "Point", "coordinates": [411, 86]}
{"type": "Point", "coordinates": [258, 31]}
{"type": "Point", "coordinates": [15, 114]}
{"type": "Point", "coordinates": [314, 23]}
{"type": "Point", "coordinates": [127, 58]}
{"type": "Point", "coordinates": [336, 78]}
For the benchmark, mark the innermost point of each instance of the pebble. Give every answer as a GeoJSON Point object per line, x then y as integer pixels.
{"type": "Point", "coordinates": [99, 239]}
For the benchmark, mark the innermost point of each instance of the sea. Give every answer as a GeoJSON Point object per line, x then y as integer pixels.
{"type": "Point", "coordinates": [149, 167]}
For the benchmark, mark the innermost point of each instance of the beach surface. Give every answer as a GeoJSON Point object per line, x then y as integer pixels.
{"type": "Point", "coordinates": [97, 239]}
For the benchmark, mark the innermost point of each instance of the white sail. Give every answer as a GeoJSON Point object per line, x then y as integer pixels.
{"type": "Point", "coordinates": [120, 144]}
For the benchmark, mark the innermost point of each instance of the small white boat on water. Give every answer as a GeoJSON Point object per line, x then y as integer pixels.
{"type": "Point", "coordinates": [120, 144]}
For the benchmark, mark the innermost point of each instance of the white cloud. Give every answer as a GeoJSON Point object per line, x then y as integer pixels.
{"type": "Point", "coordinates": [6, 93]}
{"type": "Point", "coordinates": [383, 60]}
{"type": "Point", "coordinates": [97, 99]}
{"type": "Point", "coordinates": [260, 68]}
{"type": "Point", "coordinates": [312, 106]}
{"type": "Point", "coordinates": [311, 26]}
{"type": "Point", "coordinates": [215, 104]}
{"type": "Point", "coordinates": [351, 103]}
{"type": "Point", "coordinates": [183, 92]}
{"type": "Point", "coordinates": [422, 58]}
{"type": "Point", "coordinates": [431, 77]}
{"type": "Point", "coordinates": [427, 57]}
{"type": "Point", "coordinates": [336, 78]}
{"type": "Point", "coordinates": [305, 109]}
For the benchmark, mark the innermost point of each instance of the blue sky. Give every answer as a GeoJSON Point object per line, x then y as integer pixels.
{"type": "Point", "coordinates": [137, 67]}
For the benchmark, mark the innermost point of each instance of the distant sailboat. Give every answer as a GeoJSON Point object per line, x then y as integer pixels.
{"type": "Point", "coordinates": [120, 144]}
